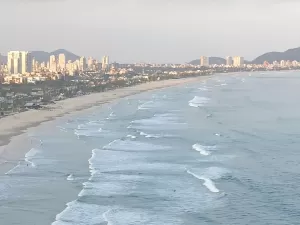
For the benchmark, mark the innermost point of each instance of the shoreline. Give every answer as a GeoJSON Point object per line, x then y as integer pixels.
{"type": "Point", "coordinates": [14, 142]}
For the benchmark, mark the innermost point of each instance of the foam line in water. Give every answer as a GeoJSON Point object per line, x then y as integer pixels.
{"type": "Point", "coordinates": [79, 213]}
{"type": "Point", "coordinates": [208, 183]}
{"type": "Point", "coordinates": [29, 156]}
{"type": "Point", "coordinates": [13, 169]}
{"type": "Point", "coordinates": [131, 136]}
{"type": "Point", "coordinates": [144, 105]}
{"type": "Point", "coordinates": [70, 177]}
{"type": "Point", "coordinates": [201, 149]}
{"type": "Point", "coordinates": [92, 169]}
{"type": "Point", "coordinates": [105, 217]}
{"type": "Point", "coordinates": [198, 101]}
{"type": "Point", "coordinates": [203, 89]}
{"type": "Point", "coordinates": [149, 135]}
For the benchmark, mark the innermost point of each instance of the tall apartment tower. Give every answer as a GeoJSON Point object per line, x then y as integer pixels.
{"type": "Point", "coordinates": [238, 61]}
{"type": "Point", "coordinates": [19, 62]}
{"type": "Point", "coordinates": [53, 64]}
{"type": "Point", "coordinates": [204, 61]}
{"type": "Point", "coordinates": [82, 64]}
{"type": "Point", "coordinates": [62, 62]}
{"type": "Point", "coordinates": [26, 62]}
{"type": "Point", "coordinates": [105, 62]}
{"type": "Point", "coordinates": [229, 61]}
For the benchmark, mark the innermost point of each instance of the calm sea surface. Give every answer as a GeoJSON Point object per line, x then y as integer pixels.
{"type": "Point", "coordinates": [223, 151]}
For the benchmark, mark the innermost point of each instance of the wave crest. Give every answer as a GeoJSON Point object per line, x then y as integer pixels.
{"type": "Point", "coordinates": [198, 101]}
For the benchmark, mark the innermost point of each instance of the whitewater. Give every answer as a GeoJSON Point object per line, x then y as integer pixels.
{"type": "Point", "coordinates": [218, 152]}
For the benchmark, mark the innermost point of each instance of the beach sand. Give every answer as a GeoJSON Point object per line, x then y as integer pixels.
{"type": "Point", "coordinates": [14, 142]}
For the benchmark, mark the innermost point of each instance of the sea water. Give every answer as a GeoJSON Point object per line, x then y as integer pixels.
{"type": "Point", "coordinates": [221, 151]}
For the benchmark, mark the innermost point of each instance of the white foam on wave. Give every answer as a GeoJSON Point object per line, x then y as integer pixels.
{"type": "Point", "coordinates": [131, 136]}
{"type": "Point", "coordinates": [111, 115]}
{"type": "Point", "coordinates": [198, 101]}
{"type": "Point", "coordinates": [80, 213]}
{"type": "Point", "coordinates": [13, 169]}
{"type": "Point", "coordinates": [28, 161]}
{"type": "Point", "coordinates": [217, 158]}
{"type": "Point", "coordinates": [90, 132]}
{"type": "Point", "coordinates": [32, 154]}
{"type": "Point", "coordinates": [204, 150]}
{"type": "Point", "coordinates": [208, 183]}
{"type": "Point", "coordinates": [203, 89]}
{"type": "Point", "coordinates": [145, 105]}
{"type": "Point", "coordinates": [92, 169]}
{"type": "Point", "coordinates": [61, 128]}
{"type": "Point", "coordinates": [70, 177]}
{"type": "Point", "coordinates": [208, 175]}
{"type": "Point", "coordinates": [105, 217]}
{"type": "Point", "coordinates": [171, 121]}
{"type": "Point", "coordinates": [129, 145]}
{"type": "Point", "coordinates": [150, 135]}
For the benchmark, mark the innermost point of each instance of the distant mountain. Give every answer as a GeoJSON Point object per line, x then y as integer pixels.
{"type": "Point", "coordinates": [217, 61]}
{"type": "Point", "coordinates": [42, 56]}
{"type": "Point", "coordinates": [291, 54]}
{"type": "Point", "coordinates": [212, 61]}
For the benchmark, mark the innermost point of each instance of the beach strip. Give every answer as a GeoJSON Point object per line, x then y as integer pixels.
{"type": "Point", "coordinates": [14, 142]}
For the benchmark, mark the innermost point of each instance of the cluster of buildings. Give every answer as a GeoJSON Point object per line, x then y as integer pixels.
{"type": "Point", "coordinates": [282, 64]}
{"type": "Point", "coordinates": [236, 61]}
{"type": "Point", "coordinates": [21, 66]}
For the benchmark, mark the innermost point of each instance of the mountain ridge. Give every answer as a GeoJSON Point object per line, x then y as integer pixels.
{"type": "Point", "coordinates": [43, 56]}
{"type": "Point", "coordinates": [270, 57]}
{"type": "Point", "coordinates": [290, 54]}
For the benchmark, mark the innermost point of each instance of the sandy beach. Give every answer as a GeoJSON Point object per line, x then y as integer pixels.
{"type": "Point", "coordinates": [14, 143]}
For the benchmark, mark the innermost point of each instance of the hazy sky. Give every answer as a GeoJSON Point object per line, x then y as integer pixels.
{"type": "Point", "coordinates": [151, 30]}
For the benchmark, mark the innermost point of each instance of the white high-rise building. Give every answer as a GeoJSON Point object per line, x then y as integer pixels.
{"type": "Point", "coordinates": [53, 64]}
{"type": "Point", "coordinates": [282, 63]}
{"type": "Point", "coordinates": [62, 62]}
{"type": "Point", "coordinates": [238, 61]}
{"type": "Point", "coordinates": [204, 61]}
{"type": "Point", "coordinates": [105, 62]}
{"type": "Point", "coordinates": [229, 61]}
{"type": "Point", "coordinates": [19, 62]}
{"type": "Point", "coordinates": [26, 62]}
{"type": "Point", "coordinates": [13, 62]}
{"type": "Point", "coordinates": [90, 63]}
{"type": "Point", "coordinates": [82, 64]}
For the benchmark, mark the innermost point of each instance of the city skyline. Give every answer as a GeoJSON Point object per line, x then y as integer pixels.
{"type": "Point", "coordinates": [148, 31]}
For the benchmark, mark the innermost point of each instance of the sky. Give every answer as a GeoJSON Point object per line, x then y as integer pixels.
{"type": "Point", "coordinates": [157, 31]}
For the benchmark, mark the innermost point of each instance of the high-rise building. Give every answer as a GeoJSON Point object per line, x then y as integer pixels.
{"type": "Point", "coordinates": [43, 65]}
{"type": "Point", "coordinates": [90, 63]}
{"type": "Point", "coordinates": [204, 61]}
{"type": "Point", "coordinates": [238, 61]}
{"type": "Point", "coordinates": [229, 61]}
{"type": "Point", "coordinates": [53, 64]}
{"type": "Point", "coordinates": [105, 62]}
{"type": "Point", "coordinates": [19, 62]}
{"type": "Point", "coordinates": [82, 64]}
{"type": "Point", "coordinates": [62, 62]}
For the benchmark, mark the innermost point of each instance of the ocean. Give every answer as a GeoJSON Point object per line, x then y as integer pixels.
{"type": "Point", "coordinates": [224, 151]}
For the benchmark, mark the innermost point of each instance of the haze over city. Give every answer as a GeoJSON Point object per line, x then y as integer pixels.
{"type": "Point", "coordinates": [152, 31]}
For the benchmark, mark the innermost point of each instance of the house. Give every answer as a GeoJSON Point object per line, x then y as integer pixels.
{"type": "Point", "coordinates": [31, 105]}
